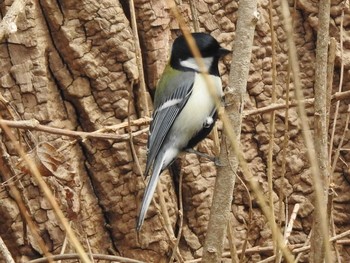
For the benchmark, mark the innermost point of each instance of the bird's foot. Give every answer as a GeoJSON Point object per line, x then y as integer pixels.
{"type": "Point", "coordinates": [214, 159]}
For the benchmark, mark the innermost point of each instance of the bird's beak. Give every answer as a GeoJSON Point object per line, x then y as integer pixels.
{"type": "Point", "coordinates": [223, 52]}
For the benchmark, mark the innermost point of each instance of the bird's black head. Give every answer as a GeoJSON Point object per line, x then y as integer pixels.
{"type": "Point", "coordinates": [183, 59]}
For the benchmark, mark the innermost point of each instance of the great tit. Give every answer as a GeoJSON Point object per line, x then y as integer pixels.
{"type": "Point", "coordinates": [184, 109]}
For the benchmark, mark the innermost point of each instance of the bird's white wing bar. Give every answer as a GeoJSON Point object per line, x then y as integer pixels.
{"type": "Point", "coordinates": [166, 113]}
{"type": "Point", "coordinates": [169, 103]}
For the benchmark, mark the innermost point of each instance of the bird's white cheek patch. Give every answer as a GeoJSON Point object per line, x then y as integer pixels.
{"type": "Point", "coordinates": [192, 63]}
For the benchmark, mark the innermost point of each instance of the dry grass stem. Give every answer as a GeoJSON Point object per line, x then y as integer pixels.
{"type": "Point", "coordinates": [337, 152]}
{"type": "Point", "coordinates": [16, 194]}
{"type": "Point", "coordinates": [284, 151]}
{"type": "Point", "coordinates": [144, 93]}
{"type": "Point", "coordinates": [231, 239]}
{"type": "Point", "coordinates": [308, 139]}
{"type": "Point", "coordinates": [48, 195]}
{"type": "Point", "coordinates": [330, 74]}
{"type": "Point", "coordinates": [180, 220]}
{"type": "Point", "coordinates": [5, 252]}
{"type": "Point", "coordinates": [164, 211]}
{"type": "Point", "coordinates": [291, 222]}
{"type": "Point", "coordinates": [340, 85]}
{"type": "Point", "coordinates": [295, 248]}
{"type": "Point", "coordinates": [250, 220]}
{"type": "Point", "coordinates": [272, 122]}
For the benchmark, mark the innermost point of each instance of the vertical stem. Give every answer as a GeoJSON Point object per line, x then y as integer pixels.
{"type": "Point", "coordinates": [222, 199]}
{"type": "Point", "coordinates": [310, 148]}
{"type": "Point", "coordinates": [340, 86]}
{"type": "Point", "coordinates": [139, 60]}
{"type": "Point", "coordinates": [272, 123]}
{"type": "Point", "coordinates": [320, 251]}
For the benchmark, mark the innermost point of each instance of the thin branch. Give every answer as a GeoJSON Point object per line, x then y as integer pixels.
{"type": "Point", "coordinates": [308, 103]}
{"type": "Point", "coordinates": [225, 180]}
{"type": "Point", "coordinates": [231, 239]}
{"type": "Point", "coordinates": [139, 60]}
{"type": "Point", "coordinates": [291, 222]}
{"type": "Point", "coordinates": [250, 220]}
{"type": "Point", "coordinates": [296, 248]}
{"type": "Point", "coordinates": [34, 125]}
{"type": "Point", "coordinates": [337, 152]}
{"type": "Point", "coordinates": [100, 134]}
{"type": "Point", "coordinates": [272, 123]}
{"type": "Point", "coordinates": [96, 256]}
{"type": "Point", "coordinates": [340, 84]}
{"type": "Point", "coordinates": [320, 247]}
{"type": "Point", "coordinates": [306, 243]}
{"type": "Point", "coordinates": [176, 246]}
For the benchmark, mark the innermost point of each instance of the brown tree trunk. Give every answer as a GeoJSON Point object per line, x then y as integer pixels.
{"type": "Point", "coordinates": [73, 65]}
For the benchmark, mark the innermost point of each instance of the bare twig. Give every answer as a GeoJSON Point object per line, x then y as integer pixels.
{"type": "Point", "coordinates": [164, 211]}
{"type": "Point", "coordinates": [306, 243]}
{"type": "Point", "coordinates": [340, 84]}
{"type": "Point", "coordinates": [315, 171]}
{"type": "Point", "coordinates": [34, 125]}
{"type": "Point", "coordinates": [250, 220]}
{"type": "Point", "coordinates": [139, 60]}
{"type": "Point", "coordinates": [296, 248]}
{"type": "Point", "coordinates": [64, 245]}
{"type": "Point", "coordinates": [291, 222]}
{"type": "Point", "coordinates": [330, 73]}
{"type": "Point", "coordinates": [96, 256]}
{"type": "Point", "coordinates": [308, 103]}
{"type": "Point", "coordinates": [333, 229]}
{"type": "Point", "coordinates": [272, 123]}
{"type": "Point", "coordinates": [231, 239]}
{"type": "Point", "coordinates": [176, 246]}
{"type": "Point", "coordinates": [337, 152]}
{"type": "Point", "coordinates": [100, 134]}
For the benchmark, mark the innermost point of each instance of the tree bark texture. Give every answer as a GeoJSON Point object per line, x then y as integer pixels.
{"type": "Point", "coordinates": [72, 65]}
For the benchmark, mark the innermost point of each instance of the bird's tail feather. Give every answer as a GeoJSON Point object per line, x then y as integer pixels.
{"type": "Point", "coordinates": [148, 194]}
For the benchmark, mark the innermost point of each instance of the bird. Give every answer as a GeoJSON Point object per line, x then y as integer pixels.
{"type": "Point", "coordinates": [184, 109]}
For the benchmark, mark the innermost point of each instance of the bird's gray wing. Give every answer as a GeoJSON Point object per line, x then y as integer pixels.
{"type": "Point", "coordinates": [166, 113]}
